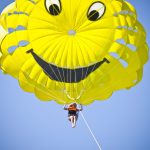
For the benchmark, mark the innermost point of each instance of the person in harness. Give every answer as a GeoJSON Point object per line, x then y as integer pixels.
{"type": "Point", "coordinates": [73, 112]}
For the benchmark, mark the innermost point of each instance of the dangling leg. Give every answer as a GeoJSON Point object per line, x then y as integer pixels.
{"type": "Point", "coordinates": [71, 119]}
{"type": "Point", "coordinates": [74, 121]}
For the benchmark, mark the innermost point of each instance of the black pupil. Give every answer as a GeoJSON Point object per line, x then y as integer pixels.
{"type": "Point", "coordinates": [54, 9]}
{"type": "Point", "coordinates": [93, 16]}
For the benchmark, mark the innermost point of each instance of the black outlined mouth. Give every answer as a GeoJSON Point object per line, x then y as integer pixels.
{"type": "Point", "coordinates": [65, 74]}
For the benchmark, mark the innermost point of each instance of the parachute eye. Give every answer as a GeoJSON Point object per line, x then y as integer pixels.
{"type": "Point", "coordinates": [53, 7]}
{"type": "Point", "coordinates": [96, 11]}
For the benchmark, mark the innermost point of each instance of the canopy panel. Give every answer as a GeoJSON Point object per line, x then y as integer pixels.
{"type": "Point", "coordinates": [68, 51]}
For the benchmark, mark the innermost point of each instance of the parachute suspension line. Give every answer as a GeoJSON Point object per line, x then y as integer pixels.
{"type": "Point", "coordinates": [113, 68]}
{"type": "Point", "coordinates": [105, 89]}
{"type": "Point", "coordinates": [14, 62]}
{"type": "Point", "coordinates": [72, 98]}
{"type": "Point", "coordinates": [90, 84]}
{"type": "Point", "coordinates": [75, 86]}
{"type": "Point", "coordinates": [39, 88]}
{"type": "Point", "coordinates": [90, 130]}
{"type": "Point", "coordinates": [86, 123]}
{"type": "Point", "coordinates": [27, 76]}
{"type": "Point", "coordinates": [80, 92]}
{"type": "Point", "coordinates": [61, 76]}
{"type": "Point", "coordinates": [61, 85]}
{"type": "Point", "coordinates": [84, 86]}
{"type": "Point", "coordinates": [70, 86]}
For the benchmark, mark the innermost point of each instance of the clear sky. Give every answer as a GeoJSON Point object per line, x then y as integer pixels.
{"type": "Point", "coordinates": [121, 123]}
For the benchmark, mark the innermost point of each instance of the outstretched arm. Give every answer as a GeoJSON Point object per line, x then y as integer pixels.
{"type": "Point", "coordinates": [81, 108]}
{"type": "Point", "coordinates": [65, 107]}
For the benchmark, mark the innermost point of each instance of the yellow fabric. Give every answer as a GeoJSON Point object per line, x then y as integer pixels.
{"type": "Point", "coordinates": [3, 26]}
{"type": "Point", "coordinates": [94, 40]}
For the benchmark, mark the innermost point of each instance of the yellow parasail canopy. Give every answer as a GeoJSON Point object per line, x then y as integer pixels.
{"type": "Point", "coordinates": [72, 50]}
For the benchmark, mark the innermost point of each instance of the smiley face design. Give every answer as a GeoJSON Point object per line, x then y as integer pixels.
{"type": "Point", "coordinates": [67, 50]}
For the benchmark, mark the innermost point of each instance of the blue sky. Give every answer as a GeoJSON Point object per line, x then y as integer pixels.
{"type": "Point", "coordinates": [121, 123]}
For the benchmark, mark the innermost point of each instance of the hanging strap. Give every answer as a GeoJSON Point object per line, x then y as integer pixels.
{"type": "Point", "coordinates": [96, 141]}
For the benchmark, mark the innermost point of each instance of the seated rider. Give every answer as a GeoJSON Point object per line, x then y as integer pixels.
{"type": "Point", "coordinates": [73, 113]}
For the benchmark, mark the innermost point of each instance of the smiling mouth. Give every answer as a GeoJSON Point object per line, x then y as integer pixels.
{"type": "Point", "coordinates": [64, 74]}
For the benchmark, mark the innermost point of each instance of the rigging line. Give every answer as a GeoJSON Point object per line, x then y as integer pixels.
{"type": "Point", "coordinates": [76, 90]}
{"type": "Point", "coordinates": [81, 52]}
{"type": "Point", "coordinates": [34, 85]}
{"type": "Point", "coordinates": [32, 79]}
{"type": "Point", "coordinates": [113, 68]}
{"type": "Point", "coordinates": [42, 85]}
{"type": "Point", "coordinates": [105, 89]}
{"type": "Point", "coordinates": [37, 87]}
{"type": "Point", "coordinates": [76, 87]}
{"type": "Point", "coordinates": [69, 72]}
{"type": "Point", "coordinates": [92, 69]}
{"type": "Point", "coordinates": [63, 55]}
{"type": "Point", "coordinates": [82, 69]}
{"type": "Point", "coordinates": [88, 67]}
{"type": "Point", "coordinates": [84, 85]}
{"type": "Point", "coordinates": [61, 84]}
{"type": "Point", "coordinates": [75, 84]}
{"type": "Point", "coordinates": [81, 91]}
{"type": "Point", "coordinates": [28, 75]}
{"type": "Point", "coordinates": [90, 130]}
{"type": "Point", "coordinates": [63, 75]}
{"type": "Point", "coordinates": [42, 54]}
{"type": "Point", "coordinates": [71, 63]}
{"type": "Point", "coordinates": [96, 141]}
{"type": "Point", "coordinates": [57, 66]}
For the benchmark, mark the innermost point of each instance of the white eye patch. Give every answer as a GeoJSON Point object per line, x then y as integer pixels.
{"type": "Point", "coordinates": [96, 11]}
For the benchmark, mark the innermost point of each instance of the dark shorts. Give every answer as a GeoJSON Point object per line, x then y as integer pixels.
{"type": "Point", "coordinates": [72, 113]}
